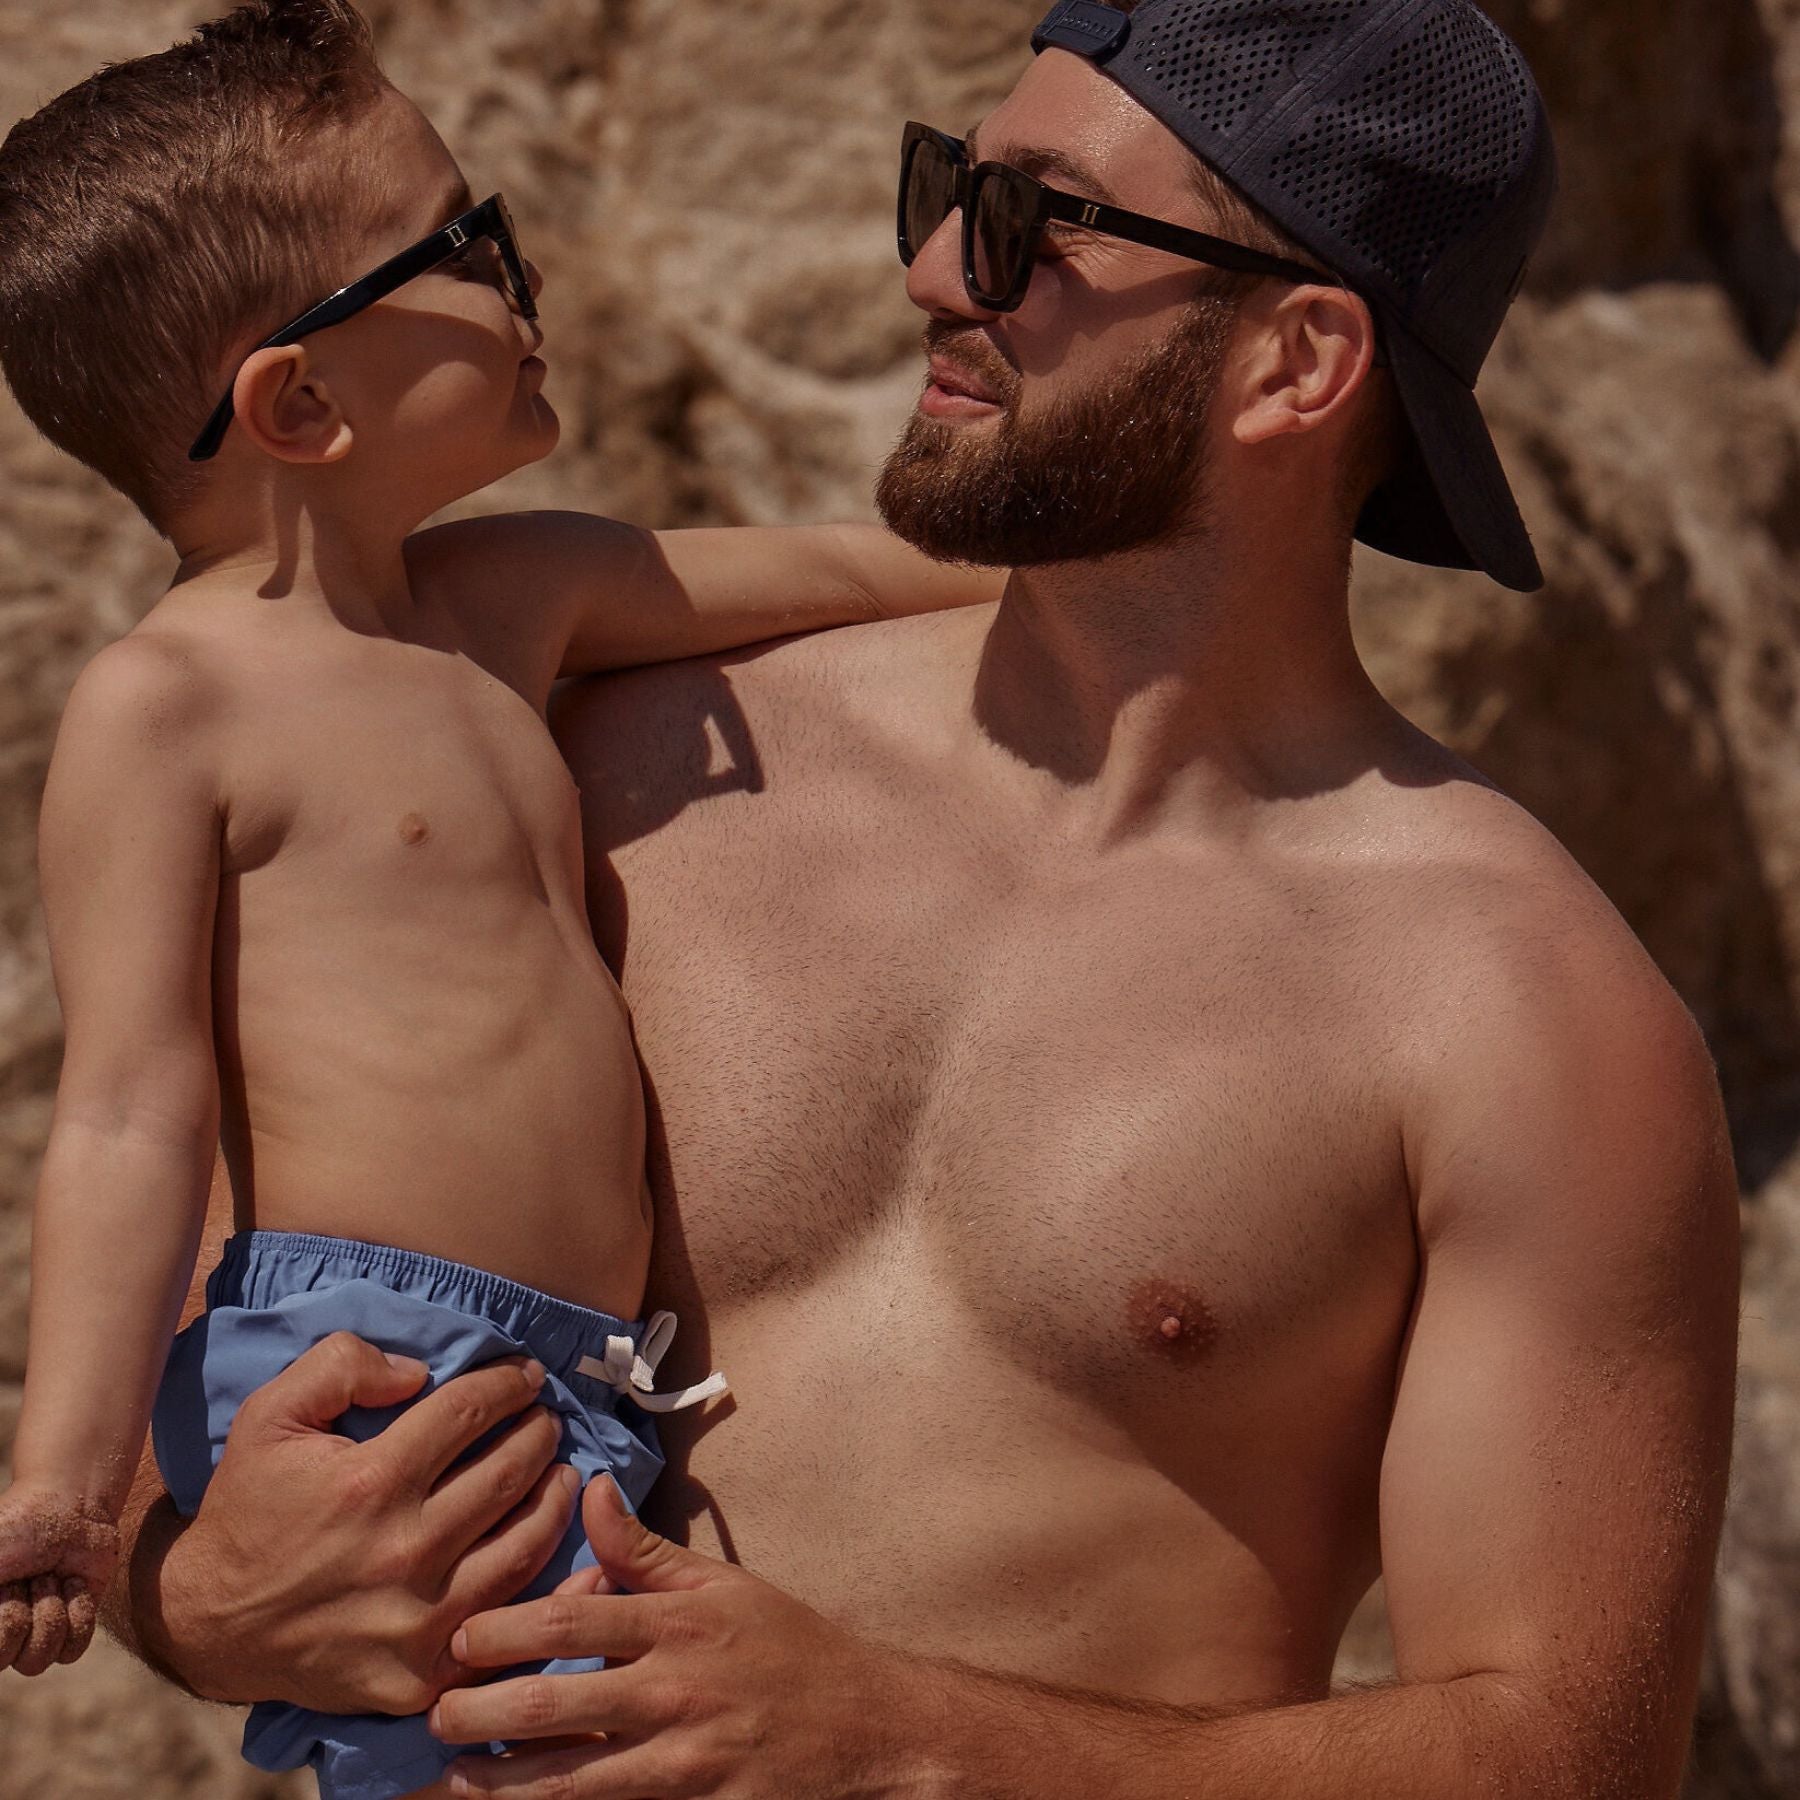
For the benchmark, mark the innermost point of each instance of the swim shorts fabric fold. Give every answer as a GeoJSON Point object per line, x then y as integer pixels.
{"type": "Point", "coordinates": [275, 1295]}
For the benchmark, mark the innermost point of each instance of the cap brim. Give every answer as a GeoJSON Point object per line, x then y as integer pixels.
{"type": "Point", "coordinates": [1449, 503]}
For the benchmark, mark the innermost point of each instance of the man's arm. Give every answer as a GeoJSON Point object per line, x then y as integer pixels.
{"type": "Point", "coordinates": [1551, 1498]}
{"type": "Point", "coordinates": [584, 594]}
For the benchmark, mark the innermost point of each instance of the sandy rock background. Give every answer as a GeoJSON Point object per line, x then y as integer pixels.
{"type": "Point", "coordinates": [708, 189]}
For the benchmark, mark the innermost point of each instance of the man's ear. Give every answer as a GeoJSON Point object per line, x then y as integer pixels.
{"type": "Point", "coordinates": [1311, 356]}
{"type": "Point", "coordinates": [286, 409]}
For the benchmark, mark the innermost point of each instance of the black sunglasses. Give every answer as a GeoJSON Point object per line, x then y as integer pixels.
{"type": "Point", "coordinates": [488, 224]}
{"type": "Point", "coordinates": [1005, 212]}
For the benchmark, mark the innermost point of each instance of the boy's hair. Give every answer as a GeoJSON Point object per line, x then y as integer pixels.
{"type": "Point", "coordinates": [157, 215]}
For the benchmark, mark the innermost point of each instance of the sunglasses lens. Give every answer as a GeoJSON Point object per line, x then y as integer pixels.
{"type": "Point", "coordinates": [1004, 207]}
{"type": "Point", "coordinates": [928, 193]}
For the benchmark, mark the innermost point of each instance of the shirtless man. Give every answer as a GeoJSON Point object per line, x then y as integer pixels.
{"type": "Point", "coordinates": [1153, 1137]}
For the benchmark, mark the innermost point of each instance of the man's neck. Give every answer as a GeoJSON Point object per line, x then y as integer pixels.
{"type": "Point", "coordinates": [1180, 684]}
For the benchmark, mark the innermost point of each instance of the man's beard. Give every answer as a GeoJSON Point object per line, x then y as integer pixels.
{"type": "Point", "coordinates": [1104, 470]}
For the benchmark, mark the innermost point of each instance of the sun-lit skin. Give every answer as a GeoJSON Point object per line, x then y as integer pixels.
{"type": "Point", "coordinates": [311, 864]}
{"type": "Point", "coordinates": [1152, 1138]}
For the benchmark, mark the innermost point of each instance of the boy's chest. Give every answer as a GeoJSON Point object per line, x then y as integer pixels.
{"type": "Point", "coordinates": [426, 771]}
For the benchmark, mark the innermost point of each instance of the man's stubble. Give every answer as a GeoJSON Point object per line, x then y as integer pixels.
{"type": "Point", "coordinates": [1111, 467]}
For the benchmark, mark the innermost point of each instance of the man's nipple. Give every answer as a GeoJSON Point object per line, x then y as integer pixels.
{"type": "Point", "coordinates": [414, 829]}
{"type": "Point", "coordinates": [1170, 1320]}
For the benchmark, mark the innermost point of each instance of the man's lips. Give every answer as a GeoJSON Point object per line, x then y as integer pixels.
{"type": "Point", "coordinates": [954, 390]}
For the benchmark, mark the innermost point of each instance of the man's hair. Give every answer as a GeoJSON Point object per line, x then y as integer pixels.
{"type": "Point", "coordinates": [1376, 445]}
{"type": "Point", "coordinates": [170, 210]}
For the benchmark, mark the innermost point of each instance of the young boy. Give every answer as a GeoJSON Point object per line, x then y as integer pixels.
{"type": "Point", "coordinates": [310, 861]}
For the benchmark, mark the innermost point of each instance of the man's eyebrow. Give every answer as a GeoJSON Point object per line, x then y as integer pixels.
{"type": "Point", "coordinates": [1044, 160]}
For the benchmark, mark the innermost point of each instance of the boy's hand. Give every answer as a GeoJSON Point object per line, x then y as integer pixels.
{"type": "Point", "coordinates": [57, 1551]}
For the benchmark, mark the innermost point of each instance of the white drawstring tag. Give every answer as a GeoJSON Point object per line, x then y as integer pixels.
{"type": "Point", "coordinates": [631, 1371]}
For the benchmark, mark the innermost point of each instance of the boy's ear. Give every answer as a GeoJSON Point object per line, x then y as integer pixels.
{"type": "Point", "coordinates": [286, 409]}
{"type": "Point", "coordinates": [1310, 358]}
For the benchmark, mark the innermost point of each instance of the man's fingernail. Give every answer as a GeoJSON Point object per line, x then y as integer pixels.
{"type": "Point", "coordinates": [406, 1364]}
{"type": "Point", "coordinates": [534, 1374]}
{"type": "Point", "coordinates": [459, 1646]}
{"type": "Point", "coordinates": [459, 1782]}
{"type": "Point", "coordinates": [571, 1480]}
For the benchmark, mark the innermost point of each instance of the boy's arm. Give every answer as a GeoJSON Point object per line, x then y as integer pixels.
{"type": "Point", "coordinates": [129, 864]}
{"type": "Point", "coordinates": [591, 593]}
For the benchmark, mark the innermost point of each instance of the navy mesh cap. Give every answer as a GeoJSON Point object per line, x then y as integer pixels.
{"type": "Point", "coordinates": [1405, 144]}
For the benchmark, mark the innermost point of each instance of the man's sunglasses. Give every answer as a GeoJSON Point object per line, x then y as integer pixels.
{"type": "Point", "coordinates": [1005, 213]}
{"type": "Point", "coordinates": [483, 237]}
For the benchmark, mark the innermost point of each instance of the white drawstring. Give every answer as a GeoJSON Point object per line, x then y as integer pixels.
{"type": "Point", "coordinates": [631, 1371]}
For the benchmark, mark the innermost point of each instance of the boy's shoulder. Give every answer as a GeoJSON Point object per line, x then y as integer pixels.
{"type": "Point", "coordinates": [157, 685]}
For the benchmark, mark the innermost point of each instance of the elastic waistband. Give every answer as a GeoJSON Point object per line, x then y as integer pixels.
{"type": "Point", "coordinates": [259, 1268]}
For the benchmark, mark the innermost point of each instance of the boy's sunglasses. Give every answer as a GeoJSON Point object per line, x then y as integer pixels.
{"type": "Point", "coordinates": [1005, 213]}
{"type": "Point", "coordinates": [484, 230]}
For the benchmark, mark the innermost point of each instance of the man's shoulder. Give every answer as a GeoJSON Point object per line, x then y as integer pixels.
{"type": "Point", "coordinates": [1519, 971]}
{"type": "Point", "coordinates": [851, 678]}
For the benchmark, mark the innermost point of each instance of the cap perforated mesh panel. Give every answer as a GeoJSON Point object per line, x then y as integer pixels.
{"type": "Point", "coordinates": [1418, 149]}
{"type": "Point", "coordinates": [1396, 162]}
{"type": "Point", "coordinates": [1225, 60]}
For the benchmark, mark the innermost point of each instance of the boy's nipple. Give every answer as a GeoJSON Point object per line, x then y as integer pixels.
{"type": "Point", "coordinates": [414, 829]}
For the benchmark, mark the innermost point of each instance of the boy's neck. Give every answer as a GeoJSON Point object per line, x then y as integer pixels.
{"type": "Point", "coordinates": [309, 557]}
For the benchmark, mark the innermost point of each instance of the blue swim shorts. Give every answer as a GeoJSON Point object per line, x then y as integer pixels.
{"type": "Point", "coordinates": [277, 1293]}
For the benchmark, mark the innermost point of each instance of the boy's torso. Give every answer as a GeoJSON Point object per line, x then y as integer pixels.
{"type": "Point", "coordinates": [417, 1043]}
{"type": "Point", "coordinates": [1049, 1212]}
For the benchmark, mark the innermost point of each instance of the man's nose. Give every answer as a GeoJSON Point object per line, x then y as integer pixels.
{"type": "Point", "coordinates": [935, 282]}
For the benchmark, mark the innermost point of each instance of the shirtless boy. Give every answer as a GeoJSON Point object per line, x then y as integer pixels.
{"type": "Point", "coordinates": [310, 860]}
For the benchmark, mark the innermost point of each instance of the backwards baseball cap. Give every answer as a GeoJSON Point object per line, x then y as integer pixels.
{"type": "Point", "coordinates": [1405, 144]}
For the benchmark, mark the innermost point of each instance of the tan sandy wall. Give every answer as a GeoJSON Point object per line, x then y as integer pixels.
{"type": "Point", "coordinates": [708, 189]}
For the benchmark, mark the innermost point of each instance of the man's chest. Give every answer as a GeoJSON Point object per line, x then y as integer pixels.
{"type": "Point", "coordinates": [1140, 1108]}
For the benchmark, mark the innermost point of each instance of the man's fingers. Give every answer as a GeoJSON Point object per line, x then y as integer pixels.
{"type": "Point", "coordinates": [83, 1616]}
{"type": "Point", "coordinates": [612, 1771]}
{"type": "Point", "coordinates": [513, 1554]}
{"type": "Point", "coordinates": [15, 1621]}
{"type": "Point", "coordinates": [616, 1701]}
{"type": "Point", "coordinates": [426, 1439]}
{"type": "Point", "coordinates": [636, 1558]}
{"type": "Point", "coordinates": [620, 1627]}
{"type": "Point", "coordinates": [476, 1495]}
{"type": "Point", "coordinates": [587, 1581]}
{"type": "Point", "coordinates": [49, 1627]}
{"type": "Point", "coordinates": [323, 1383]}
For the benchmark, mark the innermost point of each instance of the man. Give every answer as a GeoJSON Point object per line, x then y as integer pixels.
{"type": "Point", "coordinates": [1152, 1137]}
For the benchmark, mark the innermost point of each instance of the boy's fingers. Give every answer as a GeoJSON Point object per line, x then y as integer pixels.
{"type": "Point", "coordinates": [427, 1438]}
{"type": "Point", "coordinates": [83, 1616]}
{"type": "Point", "coordinates": [15, 1621]}
{"type": "Point", "coordinates": [49, 1627]}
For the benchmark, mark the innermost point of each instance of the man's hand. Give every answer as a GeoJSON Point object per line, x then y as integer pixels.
{"type": "Point", "coordinates": [331, 1573]}
{"type": "Point", "coordinates": [722, 1686]}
